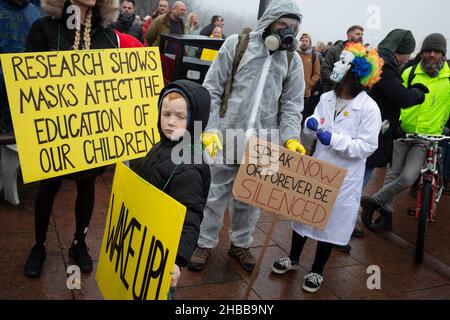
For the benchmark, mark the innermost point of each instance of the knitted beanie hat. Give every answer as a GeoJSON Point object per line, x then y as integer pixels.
{"type": "Point", "coordinates": [435, 42]}
{"type": "Point", "coordinates": [305, 35]}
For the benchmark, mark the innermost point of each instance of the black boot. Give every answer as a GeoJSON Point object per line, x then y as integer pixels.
{"type": "Point", "coordinates": [369, 205]}
{"type": "Point", "coordinates": [35, 261]}
{"type": "Point", "coordinates": [383, 223]}
{"type": "Point", "coordinates": [79, 252]}
{"type": "Point", "coordinates": [347, 248]}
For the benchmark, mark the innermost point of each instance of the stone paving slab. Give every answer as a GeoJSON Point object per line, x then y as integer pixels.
{"type": "Point", "coordinates": [223, 279]}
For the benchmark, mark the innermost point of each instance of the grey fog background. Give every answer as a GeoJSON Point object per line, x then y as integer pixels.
{"type": "Point", "coordinates": [328, 20]}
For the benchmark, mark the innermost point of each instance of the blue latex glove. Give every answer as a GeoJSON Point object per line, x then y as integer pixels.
{"type": "Point", "coordinates": [324, 137]}
{"type": "Point", "coordinates": [312, 124]}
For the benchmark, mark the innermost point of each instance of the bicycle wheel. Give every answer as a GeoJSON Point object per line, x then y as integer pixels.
{"type": "Point", "coordinates": [423, 217]}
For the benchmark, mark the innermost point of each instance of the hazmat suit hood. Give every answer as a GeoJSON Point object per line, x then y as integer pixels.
{"type": "Point", "coordinates": [275, 10]}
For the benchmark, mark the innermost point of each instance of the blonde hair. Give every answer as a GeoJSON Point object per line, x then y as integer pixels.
{"type": "Point", "coordinates": [86, 34]}
{"type": "Point", "coordinates": [221, 32]}
{"type": "Point", "coordinates": [189, 20]}
{"type": "Point", "coordinates": [321, 46]}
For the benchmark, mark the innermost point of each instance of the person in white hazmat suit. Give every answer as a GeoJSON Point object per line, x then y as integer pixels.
{"type": "Point", "coordinates": [267, 93]}
{"type": "Point", "coordinates": [346, 123]}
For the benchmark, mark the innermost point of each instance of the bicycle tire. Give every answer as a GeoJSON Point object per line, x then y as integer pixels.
{"type": "Point", "coordinates": [422, 221]}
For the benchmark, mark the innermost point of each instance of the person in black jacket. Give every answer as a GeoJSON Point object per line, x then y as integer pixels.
{"type": "Point", "coordinates": [216, 21]}
{"type": "Point", "coordinates": [126, 22]}
{"type": "Point", "coordinates": [390, 94]}
{"type": "Point", "coordinates": [56, 32]}
{"type": "Point", "coordinates": [175, 165]}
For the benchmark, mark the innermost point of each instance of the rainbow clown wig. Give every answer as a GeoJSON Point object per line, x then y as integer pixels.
{"type": "Point", "coordinates": [366, 65]}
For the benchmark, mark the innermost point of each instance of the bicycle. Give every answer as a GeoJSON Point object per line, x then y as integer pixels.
{"type": "Point", "coordinates": [430, 186]}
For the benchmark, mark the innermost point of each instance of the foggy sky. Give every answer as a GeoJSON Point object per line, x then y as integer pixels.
{"type": "Point", "coordinates": [328, 20]}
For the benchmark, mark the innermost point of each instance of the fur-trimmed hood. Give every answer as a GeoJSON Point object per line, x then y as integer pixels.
{"type": "Point", "coordinates": [108, 9]}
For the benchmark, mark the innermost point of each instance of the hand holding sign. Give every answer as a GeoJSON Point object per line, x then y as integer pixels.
{"type": "Point", "coordinates": [211, 142]}
{"type": "Point", "coordinates": [297, 186]}
{"type": "Point", "coordinates": [175, 275]}
{"type": "Point", "coordinates": [295, 146]}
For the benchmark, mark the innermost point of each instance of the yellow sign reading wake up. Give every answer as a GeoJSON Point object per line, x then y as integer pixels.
{"type": "Point", "coordinates": [77, 110]}
{"type": "Point", "coordinates": [140, 241]}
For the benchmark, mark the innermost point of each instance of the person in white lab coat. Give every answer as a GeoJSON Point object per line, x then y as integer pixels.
{"type": "Point", "coordinates": [346, 123]}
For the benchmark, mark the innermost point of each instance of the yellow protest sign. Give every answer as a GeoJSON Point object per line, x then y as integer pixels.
{"type": "Point", "coordinates": [287, 183]}
{"type": "Point", "coordinates": [77, 110]}
{"type": "Point", "coordinates": [140, 242]}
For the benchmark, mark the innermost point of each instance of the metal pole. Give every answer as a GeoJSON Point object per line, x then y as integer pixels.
{"type": "Point", "coordinates": [262, 7]}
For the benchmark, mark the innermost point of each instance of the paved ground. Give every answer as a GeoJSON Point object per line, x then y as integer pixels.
{"type": "Point", "coordinates": [345, 274]}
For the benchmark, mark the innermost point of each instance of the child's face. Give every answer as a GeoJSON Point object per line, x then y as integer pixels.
{"type": "Point", "coordinates": [217, 32]}
{"type": "Point", "coordinates": [173, 118]}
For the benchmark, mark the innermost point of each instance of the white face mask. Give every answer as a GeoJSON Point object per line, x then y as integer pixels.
{"type": "Point", "coordinates": [342, 66]}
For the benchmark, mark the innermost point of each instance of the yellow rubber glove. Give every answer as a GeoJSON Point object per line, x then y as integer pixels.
{"type": "Point", "coordinates": [295, 145]}
{"type": "Point", "coordinates": [211, 142]}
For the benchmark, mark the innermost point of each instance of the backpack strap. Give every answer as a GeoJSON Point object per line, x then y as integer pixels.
{"type": "Point", "coordinates": [314, 57]}
{"type": "Point", "coordinates": [411, 76]}
{"type": "Point", "coordinates": [290, 56]}
{"type": "Point", "coordinates": [240, 50]}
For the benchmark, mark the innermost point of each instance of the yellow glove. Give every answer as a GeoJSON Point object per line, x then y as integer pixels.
{"type": "Point", "coordinates": [294, 145]}
{"type": "Point", "coordinates": [211, 143]}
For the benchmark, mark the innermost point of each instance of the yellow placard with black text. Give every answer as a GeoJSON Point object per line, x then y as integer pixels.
{"type": "Point", "coordinates": [77, 110]}
{"type": "Point", "coordinates": [140, 242]}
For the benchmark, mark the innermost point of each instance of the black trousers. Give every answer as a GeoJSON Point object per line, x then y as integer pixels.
{"type": "Point", "coordinates": [323, 252]}
{"type": "Point", "coordinates": [84, 206]}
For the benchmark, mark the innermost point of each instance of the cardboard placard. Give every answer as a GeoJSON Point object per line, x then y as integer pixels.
{"type": "Point", "coordinates": [140, 242]}
{"type": "Point", "coordinates": [287, 183]}
{"type": "Point", "coordinates": [77, 110]}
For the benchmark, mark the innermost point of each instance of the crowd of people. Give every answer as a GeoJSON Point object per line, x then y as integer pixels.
{"type": "Point", "coordinates": [354, 103]}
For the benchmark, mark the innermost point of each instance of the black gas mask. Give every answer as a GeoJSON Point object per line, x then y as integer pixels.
{"type": "Point", "coordinates": [282, 35]}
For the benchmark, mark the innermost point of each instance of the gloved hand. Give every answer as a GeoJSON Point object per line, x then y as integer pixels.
{"type": "Point", "coordinates": [324, 137]}
{"type": "Point", "coordinates": [446, 131]}
{"type": "Point", "coordinates": [175, 275]}
{"type": "Point", "coordinates": [312, 124]}
{"type": "Point", "coordinates": [420, 87]}
{"type": "Point", "coordinates": [294, 145]}
{"type": "Point", "coordinates": [211, 143]}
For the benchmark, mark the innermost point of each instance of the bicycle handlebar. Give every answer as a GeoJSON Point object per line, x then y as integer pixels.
{"type": "Point", "coordinates": [427, 137]}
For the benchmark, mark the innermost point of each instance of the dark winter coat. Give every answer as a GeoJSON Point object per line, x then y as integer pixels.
{"type": "Point", "coordinates": [186, 183]}
{"type": "Point", "coordinates": [45, 32]}
{"type": "Point", "coordinates": [208, 30]}
{"type": "Point", "coordinates": [390, 95]}
{"type": "Point", "coordinates": [135, 29]}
